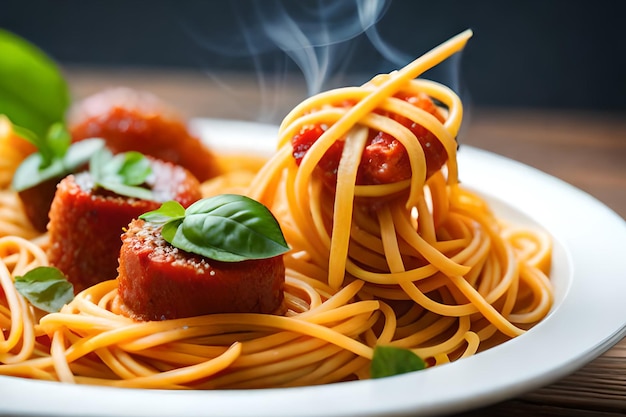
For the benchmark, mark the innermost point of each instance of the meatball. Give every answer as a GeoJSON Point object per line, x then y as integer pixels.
{"type": "Point", "coordinates": [158, 281]}
{"type": "Point", "coordinates": [86, 223]}
{"type": "Point", "coordinates": [135, 120]}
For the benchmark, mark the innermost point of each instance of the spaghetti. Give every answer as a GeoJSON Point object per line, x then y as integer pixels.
{"type": "Point", "coordinates": [420, 263]}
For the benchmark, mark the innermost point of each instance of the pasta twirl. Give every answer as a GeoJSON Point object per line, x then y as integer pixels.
{"type": "Point", "coordinates": [418, 262]}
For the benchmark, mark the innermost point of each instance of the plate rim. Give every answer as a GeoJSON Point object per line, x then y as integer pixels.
{"type": "Point", "coordinates": [389, 395]}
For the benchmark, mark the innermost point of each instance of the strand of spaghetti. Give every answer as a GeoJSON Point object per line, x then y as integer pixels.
{"type": "Point", "coordinates": [344, 201]}
{"type": "Point", "coordinates": [439, 199]}
{"type": "Point", "coordinates": [29, 367]}
{"type": "Point", "coordinates": [414, 150]}
{"type": "Point", "coordinates": [540, 286]}
{"type": "Point", "coordinates": [318, 214]}
{"type": "Point", "coordinates": [182, 375]}
{"type": "Point", "coordinates": [473, 343]}
{"type": "Point", "coordinates": [279, 373]}
{"type": "Point", "coordinates": [343, 312]}
{"type": "Point", "coordinates": [269, 174]}
{"type": "Point", "coordinates": [182, 354]}
{"type": "Point", "coordinates": [341, 297]}
{"type": "Point", "coordinates": [414, 313]}
{"type": "Point", "coordinates": [314, 243]}
{"type": "Point", "coordinates": [352, 327]}
{"type": "Point", "coordinates": [58, 353]}
{"type": "Point", "coordinates": [448, 345]}
{"type": "Point", "coordinates": [335, 315]}
{"type": "Point", "coordinates": [292, 348]}
{"type": "Point", "coordinates": [431, 123]}
{"type": "Point", "coordinates": [26, 340]}
{"type": "Point", "coordinates": [316, 294]}
{"type": "Point", "coordinates": [436, 258]}
{"type": "Point", "coordinates": [22, 254]}
{"type": "Point", "coordinates": [389, 328]}
{"type": "Point", "coordinates": [121, 368]}
{"type": "Point", "coordinates": [419, 297]}
{"type": "Point", "coordinates": [412, 275]}
{"type": "Point", "coordinates": [13, 220]}
{"type": "Point", "coordinates": [452, 124]}
{"type": "Point", "coordinates": [337, 368]}
{"type": "Point", "coordinates": [503, 252]}
{"type": "Point", "coordinates": [379, 190]}
{"type": "Point", "coordinates": [487, 310]}
{"type": "Point", "coordinates": [16, 307]}
{"type": "Point", "coordinates": [259, 368]}
{"type": "Point", "coordinates": [426, 226]}
{"type": "Point", "coordinates": [165, 336]}
{"type": "Point", "coordinates": [389, 239]}
{"type": "Point", "coordinates": [538, 254]}
{"type": "Point", "coordinates": [363, 255]}
{"type": "Point", "coordinates": [302, 114]}
{"type": "Point", "coordinates": [424, 327]}
{"type": "Point", "coordinates": [52, 321]}
{"type": "Point", "coordinates": [297, 303]}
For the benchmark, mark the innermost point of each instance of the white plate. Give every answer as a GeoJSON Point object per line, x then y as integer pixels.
{"type": "Point", "coordinates": [588, 317]}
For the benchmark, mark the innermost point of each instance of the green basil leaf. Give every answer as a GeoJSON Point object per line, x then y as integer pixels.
{"type": "Point", "coordinates": [98, 163]}
{"type": "Point", "coordinates": [121, 173]}
{"type": "Point", "coordinates": [33, 91]}
{"type": "Point", "coordinates": [58, 140]}
{"type": "Point", "coordinates": [168, 212]}
{"type": "Point", "coordinates": [79, 153]}
{"type": "Point", "coordinates": [127, 190]}
{"type": "Point", "coordinates": [227, 228]}
{"type": "Point", "coordinates": [30, 173]}
{"type": "Point", "coordinates": [135, 168]}
{"type": "Point", "coordinates": [391, 360]}
{"type": "Point", "coordinates": [46, 288]}
{"type": "Point", "coordinates": [33, 170]}
{"type": "Point", "coordinates": [231, 228]}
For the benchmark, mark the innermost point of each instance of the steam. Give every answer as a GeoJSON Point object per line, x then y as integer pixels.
{"type": "Point", "coordinates": [320, 38]}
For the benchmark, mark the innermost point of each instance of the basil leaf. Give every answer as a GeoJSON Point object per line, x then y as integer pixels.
{"type": "Point", "coordinates": [135, 168]}
{"type": "Point", "coordinates": [29, 173]}
{"type": "Point", "coordinates": [58, 140]}
{"type": "Point", "coordinates": [126, 190]}
{"type": "Point", "coordinates": [46, 288]}
{"type": "Point", "coordinates": [168, 212]}
{"type": "Point", "coordinates": [121, 173]}
{"type": "Point", "coordinates": [391, 360]}
{"type": "Point", "coordinates": [33, 170]}
{"type": "Point", "coordinates": [227, 228]}
{"type": "Point", "coordinates": [79, 153]}
{"type": "Point", "coordinates": [33, 92]}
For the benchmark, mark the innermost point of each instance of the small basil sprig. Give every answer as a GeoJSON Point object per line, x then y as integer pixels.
{"type": "Point", "coordinates": [228, 228]}
{"type": "Point", "coordinates": [46, 288]}
{"type": "Point", "coordinates": [122, 173]}
{"type": "Point", "coordinates": [392, 360]}
{"type": "Point", "coordinates": [56, 157]}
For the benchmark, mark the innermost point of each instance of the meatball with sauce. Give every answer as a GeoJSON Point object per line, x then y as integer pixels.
{"type": "Point", "coordinates": [158, 281]}
{"type": "Point", "coordinates": [86, 222]}
{"type": "Point", "coordinates": [128, 120]}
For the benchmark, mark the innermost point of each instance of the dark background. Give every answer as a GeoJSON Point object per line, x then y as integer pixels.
{"type": "Point", "coordinates": [556, 54]}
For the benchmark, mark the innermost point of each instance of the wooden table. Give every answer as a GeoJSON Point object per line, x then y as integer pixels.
{"type": "Point", "coordinates": [586, 149]}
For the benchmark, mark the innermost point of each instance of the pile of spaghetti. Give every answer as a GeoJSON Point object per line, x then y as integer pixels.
{"type": "Point", "coordinates": [419, 263]}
